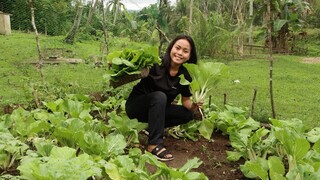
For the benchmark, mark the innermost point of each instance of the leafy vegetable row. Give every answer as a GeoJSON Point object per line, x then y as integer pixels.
{"type": "Point", "coordinates": [64, 141]}
{"type": "Point", "coordinates": [285, 151]}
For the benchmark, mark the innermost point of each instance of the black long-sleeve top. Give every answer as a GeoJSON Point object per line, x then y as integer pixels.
{"type": "Point", "coordinates": [159, 79]}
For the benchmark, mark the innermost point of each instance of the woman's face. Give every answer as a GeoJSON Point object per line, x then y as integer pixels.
{"type": "Point", "coordinates": [180, 52]}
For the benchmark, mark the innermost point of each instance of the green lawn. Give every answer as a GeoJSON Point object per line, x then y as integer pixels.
{"type": "Point", "coordinates": [295, 88]}
{"type": "Point", "coordinates": [19, 77]}
{"type": "Point", "coordinates": [296, 84]}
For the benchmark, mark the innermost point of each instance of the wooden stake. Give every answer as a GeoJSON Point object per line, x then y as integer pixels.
{"type": "Point", "coordinates": [36, 32]}
{"type": "Point", "coordinates": [253, 100]}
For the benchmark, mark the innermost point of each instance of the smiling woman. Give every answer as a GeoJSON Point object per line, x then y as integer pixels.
{"type": "Point", "coordinates": [151, 99]}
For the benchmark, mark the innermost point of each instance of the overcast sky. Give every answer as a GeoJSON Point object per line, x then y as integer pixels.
{"type": "Point", "coordinates": [139, 4]}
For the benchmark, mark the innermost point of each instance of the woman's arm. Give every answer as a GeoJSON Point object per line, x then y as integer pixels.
{"type": "Point", "coordinates": [195, 107]}
{"type": "Point", "coordinates": [187, 103]}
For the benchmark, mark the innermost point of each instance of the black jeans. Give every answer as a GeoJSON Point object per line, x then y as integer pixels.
{"type": "Point", "coordinates": [153, 109]}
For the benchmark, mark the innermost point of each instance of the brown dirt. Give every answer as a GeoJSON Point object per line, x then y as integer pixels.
{"type": "Point", "coordinates": [213, 155]}
{"type": "Point", "coordinates": [311, 60]}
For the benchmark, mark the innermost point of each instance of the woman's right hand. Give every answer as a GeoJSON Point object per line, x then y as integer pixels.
{"type": "Point", "coordinates": [145, 72]}
{"type": "Point", "coordinates": [198, 111]}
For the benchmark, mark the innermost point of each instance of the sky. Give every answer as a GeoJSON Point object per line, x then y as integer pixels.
{"type": "Point", "coordinates": [139, 4]}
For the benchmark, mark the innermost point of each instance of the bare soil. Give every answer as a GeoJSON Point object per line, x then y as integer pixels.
{"type": "Point", "coordinates": [213, 155]}
{"type": "Point", "coordinates": [311, 60]}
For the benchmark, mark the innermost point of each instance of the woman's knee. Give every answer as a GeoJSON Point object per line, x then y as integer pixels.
{"type": "Point", "coordinates": [159, 97]}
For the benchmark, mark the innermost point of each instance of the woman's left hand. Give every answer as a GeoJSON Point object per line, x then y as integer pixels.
{"type": "Point", "coordinates": [197, 106]}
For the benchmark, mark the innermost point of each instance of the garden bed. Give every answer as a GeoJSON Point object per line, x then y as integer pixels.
{"type": "Point", "coordinates": [213, 155]}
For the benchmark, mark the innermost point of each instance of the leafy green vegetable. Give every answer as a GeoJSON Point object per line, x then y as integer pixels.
{"type": "Point", "coordinates": [256, 168]}
{"type": "Point", "coordinates": [313, 135]}
{"type": "Point", "coordinates": [11, 149]}
{"type": "Point", "coordinates": [187, 130]}
{"type": "Point", "coordinates": [276, 168]}
{"type": "Point", "coordinates": [43, 146]}
{"type": "Point", "coordinates": [130, 61]}
{"type": "Point", "coordinates": [205, 75]}
{"type": "Point", "coordinates": [165, 172]}
{"type": "Point", "coordinates": [207, 125]}
{"type": "Point", "coordinates": [127, 127]}
{"type": "Point", "coordinates": [61, 164]}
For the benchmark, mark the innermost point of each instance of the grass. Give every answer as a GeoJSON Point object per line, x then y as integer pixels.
{"type": "Point", "coordinates": [295, 88]}
{"type": "Point", "coordinates": [19, 77]}
{"type": "Point", "coordinates": [21, 81]}
{"type": "Point", "coordinates": [295, 84]}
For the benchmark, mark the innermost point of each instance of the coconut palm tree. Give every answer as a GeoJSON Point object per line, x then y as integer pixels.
{"type": "Point", "coordinates": [116, 6]}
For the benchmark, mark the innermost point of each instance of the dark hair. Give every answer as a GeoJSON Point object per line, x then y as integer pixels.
{"type": "Point", "coordinates": [193, 54]}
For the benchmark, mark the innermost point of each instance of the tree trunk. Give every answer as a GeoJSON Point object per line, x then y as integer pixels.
{"type": "Point", "coordinates": [219, 7]}
{"type": "Point", "coordinates": [162, 14]}
{"type": "Point", "coordinates": [239, 9]}
{"type": "Point", "coordinates": [251, 23]}
{"type": "Point", "coordinates": [71, 35]}
{"type": "Point", "coordinates": [91, 11]}
{"type": "Point", "coordinates": [105, 49]}
{"type": "Point", "coordinates": [269, 30]}
{"type": "Point", "coordinates": [190, 16]}
{"type": "Point", "coordinates": [116, 11]}
{"type": "Point", "coordinates": [205, 6]}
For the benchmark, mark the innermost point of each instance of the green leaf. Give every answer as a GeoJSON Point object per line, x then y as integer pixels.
{"type": "Point", "coordinates": [129, 61]}
{"type": "Point", "coordinates": [69, 132]}
{"type": "Point", "coordinates": [61, 164]}
{"type": "Point", "coordinates": [195, 176]}
{"type": "Point", "coordinates": [316, 146]}
{"type": "Point", "coordinates": [43, 146]}
{"type": "Point", "coordinates": [278, 24]}
{"type": "Point", "coordinates": [206, 128]}
{"type": "Point", "coordinates": [10, 149]}
{"type": "Point", "coordinates": [38, 126]}
{"type": "Point", "coordinates": [276, 167]}
{"type": "Point", "coordinates": [112, 170]}
{"type": "Point", "coordinates": [183, 80]}
{"type": "Point", "coordinates": [54, 106]}
{"type": "Point", "coordinates": [205, 75]}
{"type": "Point", "coordinates": [93, 143]}
{"type": "Point", "coordinates": [234, 155]}
{"type": "Point", "coordinates": [115, 144]}
{"type": "Point", "coordinates": [313, 135]}
{"type": "Point", "coordinates": [258, 135]}
{"type": "Point", "coordinates": [191, 164]}
{"type": "Point", "coordinates": [253, 169]}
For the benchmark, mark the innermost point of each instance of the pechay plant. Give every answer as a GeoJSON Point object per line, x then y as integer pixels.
{"type": "Point", "coordinates": [131, 61]}
{"type": "Point", "coordinates": [205, 76]}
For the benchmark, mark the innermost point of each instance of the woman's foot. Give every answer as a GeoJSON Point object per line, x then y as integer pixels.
{"type": "Point", "coordinates": [160, 152]}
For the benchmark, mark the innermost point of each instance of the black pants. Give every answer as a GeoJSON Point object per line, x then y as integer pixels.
{"type": "Point", "coordinates": [153, 109]}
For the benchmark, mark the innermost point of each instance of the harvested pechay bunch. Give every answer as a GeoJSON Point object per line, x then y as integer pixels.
{"type": "Point", "coordinates": [205, 75]}
{"type": "Point", "coordinates": [130, 64]}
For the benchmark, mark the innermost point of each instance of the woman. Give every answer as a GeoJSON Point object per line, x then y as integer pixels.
{"type": "Point", "coordinates": [151, 99]}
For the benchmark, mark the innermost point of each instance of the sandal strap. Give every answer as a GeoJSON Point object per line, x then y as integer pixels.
{"type": "Point", "coordinates": [157, 149]}
{"type": "Point", "coordinates": [163, 154]}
